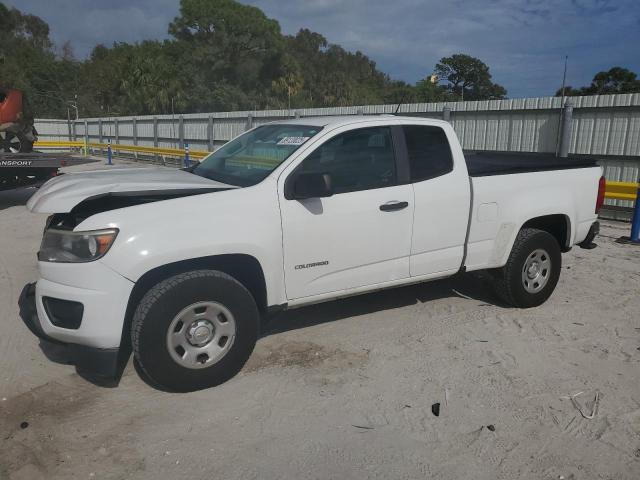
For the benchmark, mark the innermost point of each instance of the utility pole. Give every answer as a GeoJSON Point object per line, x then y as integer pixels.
{"type": "Point", "coordinates": [564, 81]}
{"type": "Point", "coordinates": [564, 77]}
{"type": "Point", "coordinates": [173, 123]}
{"type": "Point", "coordinates": [69, 123]}
{"type": "Point", "coordinates": [73, 104]}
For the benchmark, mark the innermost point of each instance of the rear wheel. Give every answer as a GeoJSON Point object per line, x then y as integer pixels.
{"type": "Point", "coordinates": [532, 270]}
{"type": "Point", "coordinates": [194, 330]}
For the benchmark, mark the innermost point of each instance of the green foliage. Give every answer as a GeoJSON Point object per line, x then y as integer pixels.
{"type": "Point", "coordinates": [26, 60]}
{"type": "Point", "coordinates": [468, 78]}
{"type": "Point", "coordinates": [615, 80]}
{"type": "Point", "coordinates": [223, 55]}
{"type": "Point", "coordinates": [428, 91]}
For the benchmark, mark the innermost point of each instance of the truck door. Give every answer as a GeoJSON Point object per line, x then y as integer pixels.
{"type": "Point", "coordinates": [442, 201]}
{"type": "Point", "coordinates": [359, 236]}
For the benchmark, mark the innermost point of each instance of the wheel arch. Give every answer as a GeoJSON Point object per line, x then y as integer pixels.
{"type": "Point", "coordinates": [558, 225]}
{"type": "Point", "coordinates": [246, 269]}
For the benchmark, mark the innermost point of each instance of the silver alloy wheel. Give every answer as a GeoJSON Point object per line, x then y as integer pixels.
{"type": "Point", "coordinates": [10, 142]}
{"type": "Point", "coordinates": [201, 335]}
{"type": "Point", "coordinates": [536, 271]}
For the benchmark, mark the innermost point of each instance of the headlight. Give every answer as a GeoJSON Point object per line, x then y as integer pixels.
{"type": "Point", "coordinates": [75, 247]}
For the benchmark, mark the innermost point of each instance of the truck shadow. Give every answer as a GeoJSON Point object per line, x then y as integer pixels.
{"type": "Point", "coordinates": [60, 354]}
{"type": "Point", "coordinates": [13, 198]}
{"type": "Point", "coordinates": [474, 287]}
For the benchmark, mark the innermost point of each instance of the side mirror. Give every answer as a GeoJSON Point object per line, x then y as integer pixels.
{"type": "Point", "coordinates": [312, 185]}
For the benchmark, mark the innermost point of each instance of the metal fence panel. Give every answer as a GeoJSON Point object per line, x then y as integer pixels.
{"type": "Point", "coordinates": [603, 125]}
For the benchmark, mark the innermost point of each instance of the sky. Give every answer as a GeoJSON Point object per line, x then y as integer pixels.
{"type": "Point", "coordinates": [524, 42]}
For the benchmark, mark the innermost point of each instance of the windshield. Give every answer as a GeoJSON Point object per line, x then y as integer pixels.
{"type": "Point", "coordinates": [251, 157]}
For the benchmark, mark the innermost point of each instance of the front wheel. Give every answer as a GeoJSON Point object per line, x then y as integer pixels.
{"type": "Point", "coordinates": [532, 270]}
{"type": "Point", "coordinates": [194, 330]}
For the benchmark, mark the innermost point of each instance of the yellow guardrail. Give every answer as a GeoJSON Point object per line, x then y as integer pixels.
{"type": "Point", "coordinates": [614, 190]}
{"type": "Point", "coordinates": [621, 190]}
{"type": "Point", "coordinates": [168, 152]}
{"type": "Point", "coordinates": [117, 147]}
{"type": "Point", "coordinates": [45, 144]}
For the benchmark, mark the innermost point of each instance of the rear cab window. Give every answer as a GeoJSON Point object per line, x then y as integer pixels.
{"type": "Point", "coordinates": [428, 151]}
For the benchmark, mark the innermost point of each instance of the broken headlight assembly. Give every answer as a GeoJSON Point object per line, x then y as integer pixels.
{"type": "Point", "coordinates": [66, 246]}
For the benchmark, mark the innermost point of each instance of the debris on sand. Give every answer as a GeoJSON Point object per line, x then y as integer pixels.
{"type": "Point", "coordinates": [576, 404]}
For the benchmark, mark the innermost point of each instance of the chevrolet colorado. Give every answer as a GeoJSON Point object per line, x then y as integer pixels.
{"type": "Point", "coordinates": [178, 266]}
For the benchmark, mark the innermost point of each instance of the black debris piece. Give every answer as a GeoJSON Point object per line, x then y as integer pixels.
{"type": "Point", "coordinates": [363, 427]}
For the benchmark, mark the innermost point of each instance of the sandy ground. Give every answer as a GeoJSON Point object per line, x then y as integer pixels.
{"type": "Point", "coordinates": [345, 390]}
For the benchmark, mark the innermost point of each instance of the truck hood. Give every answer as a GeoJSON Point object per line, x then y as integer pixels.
{"type": "Point", "coordinates": [63, 193]}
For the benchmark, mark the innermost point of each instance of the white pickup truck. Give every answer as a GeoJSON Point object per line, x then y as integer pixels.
{"type": "Point", "coordinates": [179, 266]}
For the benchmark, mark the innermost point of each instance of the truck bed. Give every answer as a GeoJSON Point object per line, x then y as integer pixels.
{"type": "Point", "coordinates": [482, 164]}
{"type": "Point", "coordinates": [542, 187]}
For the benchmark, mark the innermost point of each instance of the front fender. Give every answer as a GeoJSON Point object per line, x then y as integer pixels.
{"type": "Point", "coordinates": [243, 221]}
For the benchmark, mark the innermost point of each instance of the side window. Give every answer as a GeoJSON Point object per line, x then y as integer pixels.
{"type": "Point", "coordinates": [356, 160]}
{"type": "Point", "coordinates": [428, 150]}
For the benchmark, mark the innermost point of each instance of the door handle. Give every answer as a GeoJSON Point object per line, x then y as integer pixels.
{"type": "Point", "coordinates": [394, 205]}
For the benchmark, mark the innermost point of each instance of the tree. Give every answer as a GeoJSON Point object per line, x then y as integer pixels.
{"type": "Point", "coordinates": [28, 63]}
{"type": "Point", "coordinates": [228, 39]}
{"type": "Point", "coordinates": [614, 80]}
{"type": "Point", "coordinates": [334, 76]}
{"type": "Point", "coordinates": [399, 92]}
{"type": "Point", "coordinates": [67, 52]}
{"type": "Point", "coordinates": [151, 79]}
{"type": "Point", "coordinates": [428, 90]}
{"type": "Point", "coordinates": [223, 55]}
{"type": "Point", "coordinates": [469, 78]}
{"type": "Point", "coordinates": [290, 82]}
{"type": "Point", "coordinates": [569, 91]}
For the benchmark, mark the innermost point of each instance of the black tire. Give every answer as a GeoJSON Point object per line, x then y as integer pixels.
{"type": "Point", "coordinates": [508, 280]}
{"type": "Point", "coordinates": [9, 142]}
{"type": "Point", "coordinates": [164, 301]}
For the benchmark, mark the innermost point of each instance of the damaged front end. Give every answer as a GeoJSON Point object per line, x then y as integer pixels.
{"type": "Point", "coordinates": [88, 193]}
{"type": "Point", "coordinates": [115, 200]}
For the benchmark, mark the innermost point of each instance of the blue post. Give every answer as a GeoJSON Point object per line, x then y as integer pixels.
{"type": "Point", "coordinates": [109, 154]}
{"type": "Point", "coordinates": [635, 222]}
{"type": "Point", "coordinates": [186, 155]}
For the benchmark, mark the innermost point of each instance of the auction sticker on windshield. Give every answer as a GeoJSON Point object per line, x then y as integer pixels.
{"type": "Point", "coordinates": [293, 140]}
